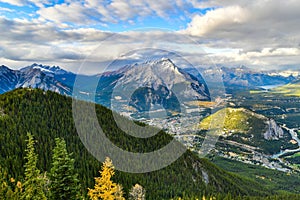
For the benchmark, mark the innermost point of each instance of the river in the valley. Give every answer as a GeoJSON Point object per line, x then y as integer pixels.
{"type": "Point", "coordinates": [294, 135]}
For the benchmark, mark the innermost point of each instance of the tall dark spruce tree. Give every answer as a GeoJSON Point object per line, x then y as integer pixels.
{"type": "Point", "coordinates": [64, 183]}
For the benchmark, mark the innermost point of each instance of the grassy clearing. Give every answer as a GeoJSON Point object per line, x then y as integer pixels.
{"type": "Point", "coordinates": [234, 120]}
{"type": "Point", "coordinates": [257, 91]}
{"type": "Point", "coordinates": [206, 104]}
{"type": "Point", "coordinates": [288, 90]}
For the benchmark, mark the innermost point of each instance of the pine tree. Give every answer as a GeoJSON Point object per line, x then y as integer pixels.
{"type": "Point", "coordinates": [105, 188]}
{"type": "Point", "coordinates": [137, 192]}
{"type": "Point", "coordinates": [34, 182]}
{"type": "Point", "coordinates": [64, 183]}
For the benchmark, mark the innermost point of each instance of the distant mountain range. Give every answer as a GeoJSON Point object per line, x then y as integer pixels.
{"type": "Point", "coordinates": [154, 83]}
{"type": "Point", "coordinates": [242, 77]}
{"type": "Point", "coordinates": [151, 85]}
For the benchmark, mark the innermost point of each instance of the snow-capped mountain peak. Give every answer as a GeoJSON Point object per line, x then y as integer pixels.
{"type": "Point", "coordinates": [159, 82]}
{"type": "Point", "coordinates": [34, 76]}
{"type": "Point", "coordinates": [45, 69]}
{"type": "Point", "coordinates": [165, 62]}
{"type": "Point", "coordinates": [154, 74]}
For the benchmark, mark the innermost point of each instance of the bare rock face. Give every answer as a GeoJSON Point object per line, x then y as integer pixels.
{"type": "Point", "coordinates": [274, 131]}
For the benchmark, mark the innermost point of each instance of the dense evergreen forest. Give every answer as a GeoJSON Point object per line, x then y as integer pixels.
{"type": "Point", "coordinates": [48, 116]}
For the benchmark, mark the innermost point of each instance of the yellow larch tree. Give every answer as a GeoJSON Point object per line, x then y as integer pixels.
{"type": "Point", "coordinates": [105, 188]}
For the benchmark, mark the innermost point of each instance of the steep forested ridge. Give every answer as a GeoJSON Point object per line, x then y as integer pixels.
{"type": "Point", "coordinates": [48, 115]}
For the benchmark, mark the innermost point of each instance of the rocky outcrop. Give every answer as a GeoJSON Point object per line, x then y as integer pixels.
{"type": "Point", "coordinates": [205, 177]}
{"type": "Point", "coordinates": [274, 131]}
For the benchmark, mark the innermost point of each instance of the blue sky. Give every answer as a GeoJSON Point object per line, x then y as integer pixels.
{"type": "Point", "coordinates": [232, 33]}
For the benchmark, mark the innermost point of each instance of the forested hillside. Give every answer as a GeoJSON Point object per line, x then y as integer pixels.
{"type": "Point", "coordinates": [48, 115]}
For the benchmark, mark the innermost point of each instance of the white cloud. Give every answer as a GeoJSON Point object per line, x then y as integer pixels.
{"type": "Point", "coordinates": [14, 2]}
{"type": "Point", "coordinates": [266, 58]}
{"type": "Point", "coordinates": [218, 19]}
{"type": "Point", "coordinates": [233, 32]}
{"type": "Point", "coordinates": [250, 23]}
{"type": "Point", "coordinates": [38, 3]}
{"type": "Point", "coordinates": [93, 12]}
{"type": "Point", "coordinates": [6, 10]}
{"type": "Point", "coordinates": [31, 41]}
{"type": "Point", "coordinates": [265, 31]}
{"type": "Point", "coordinates": [63, 13]}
